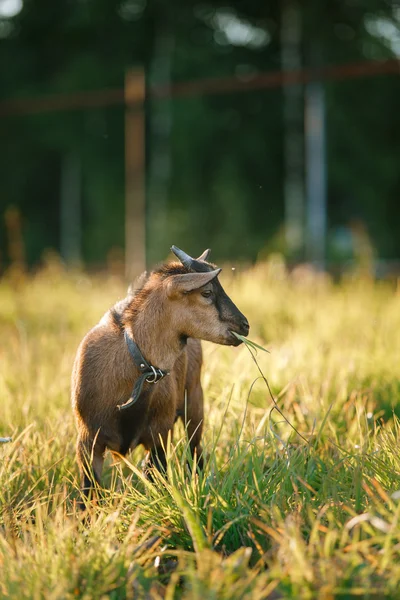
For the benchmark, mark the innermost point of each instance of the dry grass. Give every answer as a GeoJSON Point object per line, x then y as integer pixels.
{"type": "Point", "coordinates": [272, 516]}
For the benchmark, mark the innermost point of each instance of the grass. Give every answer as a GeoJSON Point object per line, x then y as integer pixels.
{"type": "Point", "coordinates": [299, 504]}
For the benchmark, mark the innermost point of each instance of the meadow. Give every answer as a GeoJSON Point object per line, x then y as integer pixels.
{"type": "Point", "coordinates": [300, 495]}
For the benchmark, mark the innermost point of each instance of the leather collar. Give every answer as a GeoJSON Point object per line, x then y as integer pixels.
{"type": "Point", "coordinates": [149, 373]}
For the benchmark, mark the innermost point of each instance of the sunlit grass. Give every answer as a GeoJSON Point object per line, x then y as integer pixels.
{"type": "Point", "coordinates": [301, 505]}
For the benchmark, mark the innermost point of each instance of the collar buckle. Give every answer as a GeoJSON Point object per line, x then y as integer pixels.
{"type": "Point", "coordinates": [156, 376]}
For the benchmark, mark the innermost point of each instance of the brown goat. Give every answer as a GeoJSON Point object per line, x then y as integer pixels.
{"type": "Point", "coordinates": [178, 304]}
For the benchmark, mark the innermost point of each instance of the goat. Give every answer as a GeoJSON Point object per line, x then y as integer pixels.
{"type": "Point", "coordinates": [177, 305]}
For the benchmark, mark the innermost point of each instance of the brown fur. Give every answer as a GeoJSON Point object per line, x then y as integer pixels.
{"type": "Point", "coordinates": [160, 317]}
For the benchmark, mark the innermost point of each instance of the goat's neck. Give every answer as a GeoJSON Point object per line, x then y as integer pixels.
{"type": "Point", "coordinates": [157, 340]}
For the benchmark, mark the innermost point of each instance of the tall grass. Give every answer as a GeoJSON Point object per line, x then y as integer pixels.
{"type": "Point", "coordinates": [304, 505]}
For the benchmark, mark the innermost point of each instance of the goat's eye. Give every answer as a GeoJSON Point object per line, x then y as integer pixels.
{"type": "Point", "coordinates": [206, 293]}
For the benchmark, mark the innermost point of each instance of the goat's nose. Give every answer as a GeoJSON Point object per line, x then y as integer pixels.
{"type": "Point", "coordinates": [245, 324]}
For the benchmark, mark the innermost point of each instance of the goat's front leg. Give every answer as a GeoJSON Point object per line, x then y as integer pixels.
{"type": "Point", "coordinates": [156, 446]}
{"type": "Point", "coordinates": [193, 421]}
{"type": "Point", "coordinates": [90, 457]}
{"type": "Point", "coordinates": [158, 459]}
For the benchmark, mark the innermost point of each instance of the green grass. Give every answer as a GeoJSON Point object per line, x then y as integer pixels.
{"type": "Point", "coordinates": [299, 504]}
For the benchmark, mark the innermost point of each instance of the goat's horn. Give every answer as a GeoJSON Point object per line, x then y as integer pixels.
{"type": "Point", "coordinates": [185, 259]}
{"type": "Point", "coordinates": [204, 257]}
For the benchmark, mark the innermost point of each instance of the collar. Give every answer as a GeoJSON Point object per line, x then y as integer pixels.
{"type": "Point", "coordinates": [149, 373]}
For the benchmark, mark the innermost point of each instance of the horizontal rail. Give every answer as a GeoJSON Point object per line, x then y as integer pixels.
{"type": "Point", "coordinates": [274, 79]}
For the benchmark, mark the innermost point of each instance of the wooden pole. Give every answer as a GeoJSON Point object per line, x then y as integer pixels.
{"type": "Point", "coordinates": [135, 200]}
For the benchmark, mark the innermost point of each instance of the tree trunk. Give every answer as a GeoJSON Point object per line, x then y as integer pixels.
{"type": "Point", "coordinates": [70, 210]}
{"type": "Point", "coordinates": [315, 169]}
{"type": "Point", "coordinates": [160, 142]}
{"type": "Point", "coordinates": [293, 130]}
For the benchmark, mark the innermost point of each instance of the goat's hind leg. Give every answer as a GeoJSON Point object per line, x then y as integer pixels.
{"type": "Point", "coordinates": [90, 457]}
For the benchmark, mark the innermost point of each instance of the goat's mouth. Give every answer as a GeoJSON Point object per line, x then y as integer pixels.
{"type": "Point", "coordinates": [234, 340]}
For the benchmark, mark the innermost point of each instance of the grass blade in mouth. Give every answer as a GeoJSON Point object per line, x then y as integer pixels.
{"type": "Point", "coordinates": [249, 342]}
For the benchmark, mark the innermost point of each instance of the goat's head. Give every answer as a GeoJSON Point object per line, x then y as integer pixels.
{"type": "Point", "coordinates": [200, 305]}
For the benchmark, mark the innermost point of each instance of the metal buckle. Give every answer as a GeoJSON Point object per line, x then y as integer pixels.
{"type": "Point", "coordinates": [156, 376]}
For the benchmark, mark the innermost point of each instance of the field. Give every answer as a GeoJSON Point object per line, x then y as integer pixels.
{"type": "Point", "coordinates": [303, 502]}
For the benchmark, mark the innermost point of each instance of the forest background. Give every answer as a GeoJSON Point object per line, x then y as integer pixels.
{"type": "Point", "coordinates": [225, 169]}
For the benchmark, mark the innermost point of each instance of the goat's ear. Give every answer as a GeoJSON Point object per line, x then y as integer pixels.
{"type": "Point", "coordinates": [137, 284]}
{"type": "Point", "coordinates": [188, 282]}
{"type": "Point", "coordinates": [205, 256]}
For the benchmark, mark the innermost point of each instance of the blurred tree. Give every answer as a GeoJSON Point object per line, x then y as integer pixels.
{"type": "Point", "coordinates": [224, 185]}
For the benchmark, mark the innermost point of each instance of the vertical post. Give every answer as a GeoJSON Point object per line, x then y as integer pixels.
{"type": "Point", "coordinates": [70, 209]}
{"type": "Point", "coordinates": [293, 129]}
{"type": "Point", "coordinates": [135, 201]}
{"type": "Point", "coordinates": [315, 173]}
